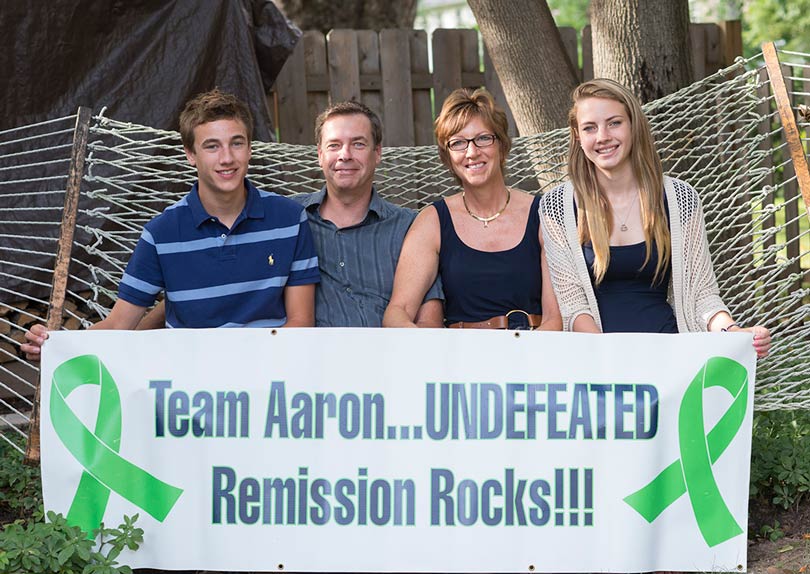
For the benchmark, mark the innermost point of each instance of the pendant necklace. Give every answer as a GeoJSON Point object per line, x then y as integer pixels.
{"type": "Point", "coordinates": [486, 220]}
{"type": "Point", "coordinates": [623, 226]}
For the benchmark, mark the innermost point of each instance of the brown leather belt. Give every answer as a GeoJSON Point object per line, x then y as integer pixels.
{"type": "Point", "coordinates": [499, 322]}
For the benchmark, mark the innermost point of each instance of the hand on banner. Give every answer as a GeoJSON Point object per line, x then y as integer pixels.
{"type": "Point", "coordinates": [36, 338]}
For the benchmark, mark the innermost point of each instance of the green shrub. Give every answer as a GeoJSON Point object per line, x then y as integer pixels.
{"type": "Point", "coordinates": [32, 544]}
{"type": "Point", "coordinates": [54, 546]}
{"type": "Point", "coordinates": [20, 485]}
{"type": "Point", "coordinates": [780, 457]}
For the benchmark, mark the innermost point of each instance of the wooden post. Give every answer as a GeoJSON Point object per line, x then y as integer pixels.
{"type": "Point", "coordinates": [792, 135]}
{"type": "Point", "coordinates": [62, 264]}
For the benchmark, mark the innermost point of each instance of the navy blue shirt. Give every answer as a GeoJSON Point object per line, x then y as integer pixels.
{"type": "Point", "coordinates": [219, 277]}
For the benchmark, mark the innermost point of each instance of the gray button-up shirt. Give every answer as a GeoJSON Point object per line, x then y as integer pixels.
{"type": "Point", "coordinates": [357, 263]}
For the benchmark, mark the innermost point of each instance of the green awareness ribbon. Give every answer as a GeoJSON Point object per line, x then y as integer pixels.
{"type": "Point", "coordinates": [692, 473]}
{"type": "Point", "coordinates": [97, 451]}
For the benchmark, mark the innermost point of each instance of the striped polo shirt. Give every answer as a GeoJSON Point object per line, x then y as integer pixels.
{"type": "Point", "coordinates": [219, 277]}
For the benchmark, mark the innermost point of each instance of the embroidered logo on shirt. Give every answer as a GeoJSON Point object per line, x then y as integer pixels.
{"type": "Point", "coordinates": [270, 260]}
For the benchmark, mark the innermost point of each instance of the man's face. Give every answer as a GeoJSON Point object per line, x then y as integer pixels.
{"type": "Point", "coordinates": [221, 155]}
{"type": "Point", "coordinates": [347, 154]}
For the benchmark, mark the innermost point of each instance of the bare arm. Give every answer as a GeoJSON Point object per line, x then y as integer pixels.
{"type": "Point", "coordinates": [299, 302]}
{"type": "Point", "coordinates": [154, 319]}
{"type": "Point", "coordinates": [416, 271]}
{"type": "Point", "coordinates": [552, 319]}
{"type": "Point", "coordinates": [762, 336]}
{"type": "Point", "coordinates": [430, 314]}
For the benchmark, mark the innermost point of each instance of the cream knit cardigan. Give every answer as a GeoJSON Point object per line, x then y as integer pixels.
{"type": "Point", "coordinates": [693, 291]}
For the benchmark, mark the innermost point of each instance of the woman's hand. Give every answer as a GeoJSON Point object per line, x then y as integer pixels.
{"type": "Point", "coordinates": [762, 339]}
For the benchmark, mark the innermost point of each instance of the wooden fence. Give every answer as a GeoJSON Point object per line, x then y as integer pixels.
{"type": "Point", "coordinates": [389, 71]}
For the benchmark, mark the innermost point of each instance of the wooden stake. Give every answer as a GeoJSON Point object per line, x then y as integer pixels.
{"type": "Point", "coordinates": [792, 135]}
{"type": "Point", "coordinates": [62, 264]}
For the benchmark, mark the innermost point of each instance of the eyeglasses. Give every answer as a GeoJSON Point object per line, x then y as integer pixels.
{"type": "Point", "coordinates": [461, 144]}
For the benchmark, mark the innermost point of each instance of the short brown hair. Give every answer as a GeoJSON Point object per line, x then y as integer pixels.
{"type": "Point", "coordinates": [210, 107]}
{"type": "Point", "coordinates": [349, 108]}
{"type": "Point", "coordinates": [460, 107]}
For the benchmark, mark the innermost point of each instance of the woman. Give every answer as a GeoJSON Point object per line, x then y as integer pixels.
{"type": "Point", "coordinates": [483, 242]}
{"type": "Point", "coordinates": [626, 245]}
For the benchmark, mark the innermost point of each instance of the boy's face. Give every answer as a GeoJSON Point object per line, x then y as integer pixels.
{"type": "Point", "coordinates": [221, 155]}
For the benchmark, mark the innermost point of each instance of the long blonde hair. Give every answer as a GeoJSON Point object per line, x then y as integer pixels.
{"type": "Point", "coordinates": [595, 214]}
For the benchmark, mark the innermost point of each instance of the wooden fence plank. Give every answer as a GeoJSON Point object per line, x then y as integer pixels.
{"type": "Point", "coordinates": [570, 44]}
{"type": "Point", "coordinates": [368, 45]}
{"type": "Point", "coordinates": [395, 59]}
{"type": "Point", "coordinates": [470, 62]}
{"type": "Point", "coordinates": [446, 65]}
{"type": "Point", "coordinates": [344, 65]}
{"type": "Point", "coordinates": [697, 37]}
{"type": "Point", "coordinates": [316, 64]}
{"type": "Point", "coordinates": [730, 40]}
{"type": "Point", "coordinates": [587, 54]}
{"type": "Point", "coordinates": [422, 107]}
{"type": "Point", "coordinates": [291, 99]}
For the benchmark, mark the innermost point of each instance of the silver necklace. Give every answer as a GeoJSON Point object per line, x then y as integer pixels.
{"type": "Point", "coordinates": [623, 226]}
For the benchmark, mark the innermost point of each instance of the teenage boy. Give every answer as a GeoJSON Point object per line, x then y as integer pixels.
{"type": "Point", "coordinates": [227, 254]}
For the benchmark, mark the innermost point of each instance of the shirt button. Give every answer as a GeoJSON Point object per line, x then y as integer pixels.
{"type": "Point", "coordinates": [223, 237]}
{"type": "Point", "coordinates": [214, 219]}
{"type": "Point", "coordinates": [342, 264]}
{"type": "Point", "coordinates": [348, 289]}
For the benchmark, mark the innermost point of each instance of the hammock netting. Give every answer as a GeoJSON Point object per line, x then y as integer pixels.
{"type": "Point", "coordinates": [722, 134]}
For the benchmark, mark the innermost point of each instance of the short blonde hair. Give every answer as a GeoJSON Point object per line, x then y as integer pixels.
{"type": "Point", "coordinates": [460, 107]}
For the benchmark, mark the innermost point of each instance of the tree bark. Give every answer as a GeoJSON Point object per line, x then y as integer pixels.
{"type": "Point", "coordinates": [529, 57]}
{"type": "Point", "coordinates": [642, 44]}
{"type": "Point", "coordinates": [324, 15]}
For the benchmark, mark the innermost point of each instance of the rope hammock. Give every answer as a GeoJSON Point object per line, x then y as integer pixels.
{"type": "Point", "coordinates": [723, 135]}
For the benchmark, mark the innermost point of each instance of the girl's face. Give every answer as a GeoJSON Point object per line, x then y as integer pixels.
{"type": "Point", "coordinates": [605, 134]}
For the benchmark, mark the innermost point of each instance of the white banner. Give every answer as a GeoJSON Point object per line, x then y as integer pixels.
{"type": "Point", "coordinates": [372, 450]}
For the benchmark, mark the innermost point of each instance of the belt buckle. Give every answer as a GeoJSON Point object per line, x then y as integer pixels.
{"type": "Point", "coordinates": [526, 327]}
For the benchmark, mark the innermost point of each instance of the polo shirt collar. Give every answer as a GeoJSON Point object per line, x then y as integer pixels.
{"type": "Point", "coordinates": [253, 206]}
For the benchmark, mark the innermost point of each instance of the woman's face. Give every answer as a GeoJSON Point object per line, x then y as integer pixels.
{"type": "Point", "coordinates": [605, 134]}
{"type": "Point", "coordinates": [476, 166]}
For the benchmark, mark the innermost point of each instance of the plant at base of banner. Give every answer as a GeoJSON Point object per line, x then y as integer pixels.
{"type": "Point", "coordinates": [59, 548]}
{"type": "Point", "coordinates": [780, 457]}
{"type": "Point", "coordinates": [20, 486]}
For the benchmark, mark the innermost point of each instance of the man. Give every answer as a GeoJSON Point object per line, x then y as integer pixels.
{"type": "Point", "coordinates": [357, 234]}
{"type": "Point", "coordinates": [227, 254]}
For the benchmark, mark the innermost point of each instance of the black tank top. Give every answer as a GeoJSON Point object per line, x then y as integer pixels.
{"type": "Point", "coordinates": [479, 285]}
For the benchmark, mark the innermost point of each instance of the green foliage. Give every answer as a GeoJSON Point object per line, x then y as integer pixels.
{"type": "Point", "coordinates": [56, 547]}
{"type": "Point", "coordinates": [31, 544]}
{"type": "Point", "coordinates": [20, 485]}
{"type": "Point", "coordinates": [573, 13]}
{"type": "Point", "coordinates": [772, 533]}
{"type": "Point", "coordinates": [786, 22]}
{"type": "Point", "coordinates": [780, 457]}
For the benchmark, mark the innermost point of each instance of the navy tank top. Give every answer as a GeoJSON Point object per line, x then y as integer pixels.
{"type": "Point", "coordinates": [629, 301]}
{"type": "Point", "coordinates": [479, 285]}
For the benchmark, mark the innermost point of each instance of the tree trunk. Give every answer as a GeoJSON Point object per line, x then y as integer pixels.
{"type": "Point", "coordinates": [324, 15]}
{"type": "Point", "coordinates": [528, 54]}
{"type": "Point", "coordinates": [642, 44]}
